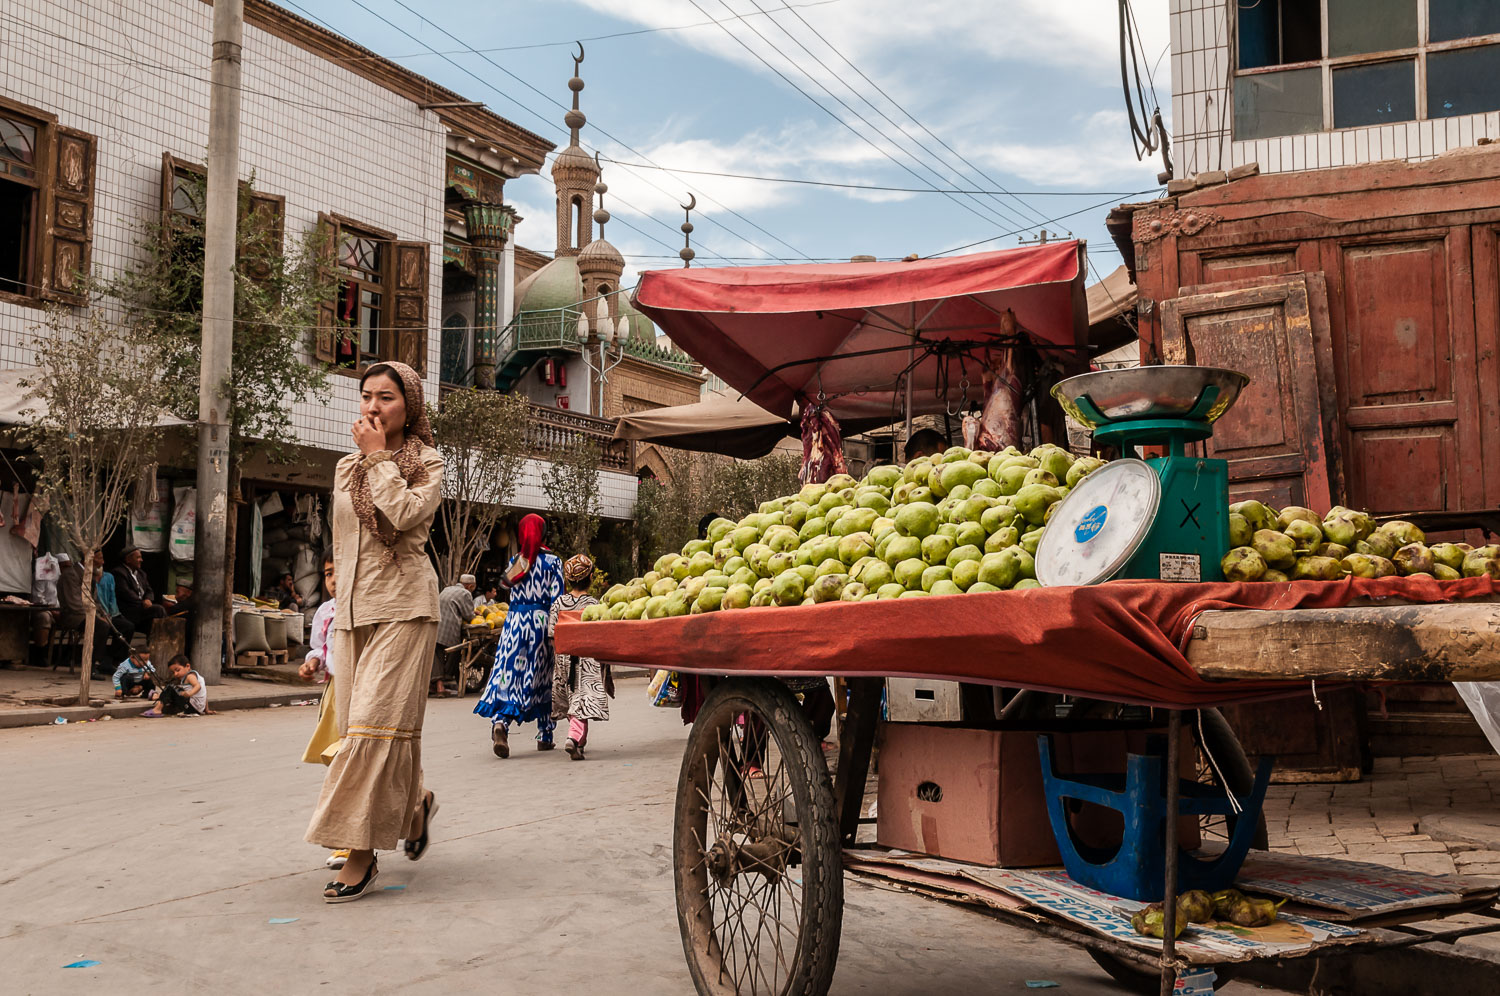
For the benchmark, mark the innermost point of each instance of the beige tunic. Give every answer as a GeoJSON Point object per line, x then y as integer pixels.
{"type": "Point", "coordinates": [384, 627]}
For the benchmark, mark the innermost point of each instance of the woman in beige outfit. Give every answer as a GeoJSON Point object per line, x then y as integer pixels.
{"type": "Point", "coordinates": [384, 626]}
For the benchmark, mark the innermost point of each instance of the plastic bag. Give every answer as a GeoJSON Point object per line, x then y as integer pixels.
{"type": "Point", "coordinates": [44, 584]}
{"type": "Point", "coordinates": [1483, 700]}
{"type": "Point", "coordinates": [665, 691]}
{"type": "Point", "coordinates": [184, 523]}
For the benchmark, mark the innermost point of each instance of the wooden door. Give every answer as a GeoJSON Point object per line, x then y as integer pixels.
{"type": "Point", "coordinates": [1277, 438]}
{"type": "Point", "coordinates": [1407, 372]}
{"type": "Point", "coordinates": [1486, 242]}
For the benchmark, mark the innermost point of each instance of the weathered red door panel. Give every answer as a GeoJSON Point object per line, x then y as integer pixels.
{"type": "Point", "coordinates": [1275, 437]}
{"type": "Point", "coordinates": [1407, 373]}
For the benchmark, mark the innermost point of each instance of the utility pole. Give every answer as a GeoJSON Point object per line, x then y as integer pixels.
{"type": "Point", "coordinates": [219, 241]}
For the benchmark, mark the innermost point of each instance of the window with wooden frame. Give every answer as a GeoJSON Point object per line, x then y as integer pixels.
{"type": "Point", "coordinates": [379, 311]}
{"type": "Point", "coordinates": [1305, 66]}
{"type": "Point", "coordinates": [46, 207]}
{"type": "Point", "coordinates": [184, 202]}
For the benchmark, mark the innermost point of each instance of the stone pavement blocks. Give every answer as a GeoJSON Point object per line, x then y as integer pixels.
{"type": "Point", "coordinates": [1431, 864]}
{"type": "Point", "coordinates": [1466, 858]}
{"type": "Point", "coordinates": [1319, 845]}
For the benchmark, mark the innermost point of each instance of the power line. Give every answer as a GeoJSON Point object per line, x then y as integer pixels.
{"type": "Point", "coordinates": [822, 107]}
{"type": "Point", "coordinates": [1011, 218]}
{"type": "Point", "coordinates": [868, 186]}
{"type": "Point", "coordinates": [1048, 221]}
{"type": "Point", "coordinates": [602, 131]}
{"type": "Point", "coordinates": [902, 109]}
{"type": "Point", "coordinates": [569, 43]}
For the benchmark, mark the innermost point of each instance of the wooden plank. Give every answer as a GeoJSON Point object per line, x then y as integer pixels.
{"type": "Point", "coordinates": [1449, 642]}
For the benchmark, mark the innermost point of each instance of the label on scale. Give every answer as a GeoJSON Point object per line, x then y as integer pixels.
{"type": "Point", "coordinates": [1181, 567]}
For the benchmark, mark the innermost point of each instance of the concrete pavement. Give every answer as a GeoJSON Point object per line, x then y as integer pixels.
{"type": "Point", "coordinates": [163, 848]}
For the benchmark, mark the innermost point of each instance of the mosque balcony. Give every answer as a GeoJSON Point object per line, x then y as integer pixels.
{"type": "Point", "coordinates": [552, 432]}
{"type": "Point", "coordinates": [543, 331]}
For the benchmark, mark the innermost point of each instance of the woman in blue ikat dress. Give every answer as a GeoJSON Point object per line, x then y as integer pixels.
{"type": "Point", "coordinates": [520, 685]}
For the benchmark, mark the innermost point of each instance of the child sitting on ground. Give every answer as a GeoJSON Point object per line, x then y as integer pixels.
{"type": "Point", "coordinates": [187, 695]}
{"type": "Point", "coordinates": [135, 676]}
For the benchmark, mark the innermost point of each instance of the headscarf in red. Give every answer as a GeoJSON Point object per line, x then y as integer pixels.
{"type": "Point", "coordinates": [529, 534]}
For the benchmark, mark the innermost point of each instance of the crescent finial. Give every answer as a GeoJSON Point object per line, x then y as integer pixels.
{"type": "Point", "coordinates": [578, 58]}
{"type": "Point", "coordinates": [692, 202]}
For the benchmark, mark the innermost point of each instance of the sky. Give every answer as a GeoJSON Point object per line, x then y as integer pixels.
{"type": "Point", "coordinates": [975, 95]}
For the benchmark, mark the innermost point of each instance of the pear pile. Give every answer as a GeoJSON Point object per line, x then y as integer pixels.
{"type": "Point", "coordinates": [962, 521]}
{"type": "Point", "coordinates": [1296, 544]}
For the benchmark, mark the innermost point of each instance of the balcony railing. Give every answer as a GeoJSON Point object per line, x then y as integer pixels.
{"type": "Point", "coordinates": [542, 330]}
{"type": "Point", "coordinates": [550, 432]}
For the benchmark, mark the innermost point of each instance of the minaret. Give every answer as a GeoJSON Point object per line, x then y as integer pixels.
{"type": "Point", "coordinates": [600, 264]}
{"type": "Point", "coordinates": [574, 175]}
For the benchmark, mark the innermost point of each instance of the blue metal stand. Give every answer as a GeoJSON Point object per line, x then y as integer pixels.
{"type": "Point", "coordinates": [1137, 868]}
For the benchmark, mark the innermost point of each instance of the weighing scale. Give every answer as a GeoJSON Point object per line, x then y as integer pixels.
{"type": "Point", "coordinates": [1165, 518]}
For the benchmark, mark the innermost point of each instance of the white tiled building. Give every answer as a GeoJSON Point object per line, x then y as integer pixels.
{"type": "Point", "coordinates": [331, 129]}
{"type": "Point", "coordinates": [1311, 84]}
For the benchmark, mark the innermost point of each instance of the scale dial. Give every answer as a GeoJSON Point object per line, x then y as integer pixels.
{"type": "Point", "coordinates": [1100, 525]}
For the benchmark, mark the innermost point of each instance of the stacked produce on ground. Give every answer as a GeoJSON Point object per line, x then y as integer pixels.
{"type": "Point", "coordinates": [963, 521]}
{"type": "Point", "coordinates": [1298, 544]}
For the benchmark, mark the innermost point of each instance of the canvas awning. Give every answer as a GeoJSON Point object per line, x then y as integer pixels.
{"type": "Point", "coordinates": [848, 331]}
{"type": "Point", "coordinates": [721, 423]}
{"type": "Point", "coordinates": [17, 409]}
{"type": "Point", "coordinates": [1111, 297]}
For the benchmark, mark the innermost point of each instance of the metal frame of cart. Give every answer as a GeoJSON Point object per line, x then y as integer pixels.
{"type": "Point", "coordinates": [757, 809]}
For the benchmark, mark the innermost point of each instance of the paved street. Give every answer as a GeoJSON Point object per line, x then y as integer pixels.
{"type": "Point", "coordinates": [163, 848]}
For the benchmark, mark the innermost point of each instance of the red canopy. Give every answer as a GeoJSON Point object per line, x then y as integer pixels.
{"type": "Point", "coordinates": [781, 334]}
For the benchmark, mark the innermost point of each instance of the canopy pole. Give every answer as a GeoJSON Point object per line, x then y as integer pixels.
{"type": "Point", "coordinates": [910, 369]}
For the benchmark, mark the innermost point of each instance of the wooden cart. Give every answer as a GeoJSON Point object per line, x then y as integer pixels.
{"type": "Point", "coordinates": [761, 827]}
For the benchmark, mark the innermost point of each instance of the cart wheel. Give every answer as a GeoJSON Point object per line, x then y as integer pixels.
{"type": "Point", "coordinates": [1229, 756]}
{"type": "Point", "coordinates": [756, 857]}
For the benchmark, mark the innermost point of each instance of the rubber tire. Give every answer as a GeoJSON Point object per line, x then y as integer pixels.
{"type": "Point", "coordinates": [821, 852]}
{"type": "Point", "coordinates": [1225, 748]}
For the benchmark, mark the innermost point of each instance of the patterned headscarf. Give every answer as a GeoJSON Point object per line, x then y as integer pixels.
{"type": "Point", "coordinates": [578, 570]}
{"type": "Point", "coordinates": [408, 459]}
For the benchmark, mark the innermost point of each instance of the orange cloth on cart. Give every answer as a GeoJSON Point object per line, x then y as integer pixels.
{"type": "Point", "coordinates": [1121, 641]}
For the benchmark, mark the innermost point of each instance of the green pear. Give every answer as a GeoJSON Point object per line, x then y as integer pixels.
{"type": "Point", "coordinates": [788, 589]}
{"type": "Point", "coordinates": [637, 608]}
{"type": "Point", "coordinates": [1032, 501]}
{"type": "Point", "coordinates": [1304, 534]}
{"type": "Point", "coordinates": [1031, 539]}
{"type": "Point", "coordinates": [884, 476]}
{"type": "Point", "coordinates": [919, 519]}
{"type": "Point", "coordinates": [970, 534]}
{"type": "Point", "coordinates": [1026, 583]}
{"type": "Point", "coordinates": [1414, 558]}
{"type": "Point", "coordinates": [998, 517]}
{"type": "Point", "coordinates": [1293, 513]}
{"type": "Point", "coordinates": [1362, 565]}
{"type": "Point", "coordinates": [987, 488]}
{"type": "Point", "coordinates": [1243, 564]}
{"type": "Point", "coordinates": [1445, 573]}
{"type": "Point", "coordinates": [935, 548]}
{"type": "Point", "coordinates": [664, 587]}
{"type": "Point", "coordinates": [1334, 550]}
{"type": "Point", "coordinates": [1081, 468]}
{"type": "Point", "coordinates": [909, 573]}
{"type": "Point", "coordinates": [1002, 569]}
{"type": "Point", "coordinates": [1376, 545]}
{"type": "Point", "coordinates": [1011, 478]}
{"type": "Point", "coordinates": [1001, 539]}
{"type": "Point", "coordinates": [934, 574]}
{"type": "Point", "coordinates": [1448, 554]}
{"type": "Point", "coordinates": [1312, 568]}
{"type": "Point", "coordinates": [1257, 514]}
{"type": "Point", "coordinates": [857, 520]}
{"type": "Point", "coordinates": [828, 588]}
{"type": "Point", "coordinates": [874, 574]}
{"type": "Point", "coordinates": [902, 548]}
{"type": "Point", "coordinates": [959, 554]}
{"type": "Point", "coordinates": [710, 600]}
{"type": "Point", "coordinates": [1403, 532]}
{"type": "Point", "coordinates": [962, 472]}
{"type": "Point", "coordinates": [856, 545]}
{"type": "Point", "coordinates": [966, 573]}
{"type": "Point", "coordinates": [945, 586]}
{"type": "Point", "coordinates": [891, 590]}
{"type": "Point", "coordinates": [1239, 530]}
{"type": "Point", "coordinates": [978, 587]}
{"type": "Point", "coordinates": [1277, 548]}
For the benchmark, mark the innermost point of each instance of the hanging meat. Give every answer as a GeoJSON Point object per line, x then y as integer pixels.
{"type": "Point", "coordinates": [822, 446]}
{"type": "Point", "coordinates": [999, 421]}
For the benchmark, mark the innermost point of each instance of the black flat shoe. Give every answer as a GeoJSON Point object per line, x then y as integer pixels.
{"type": "Point", "coordinates": [501, 741]}
{"type": "Point", "coordinates": [545, 745]}
{"type": "Point", "coordinates": [416, 848]}
{"type": "Point", "coordinates": [341, 893]}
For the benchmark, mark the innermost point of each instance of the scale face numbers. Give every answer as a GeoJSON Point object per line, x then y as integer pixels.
{"type": "Point", "coordinates": [1100, 525]}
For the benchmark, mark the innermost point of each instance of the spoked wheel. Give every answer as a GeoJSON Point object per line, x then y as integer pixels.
{"type": "Point", "coordinates": [756, 855]}
{"type": "Point", "coordinates": [1218, 759]}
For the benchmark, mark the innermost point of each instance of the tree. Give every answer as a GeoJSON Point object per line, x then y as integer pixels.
{"type": "Point", "coordinates": [482, 436]}
{"type": "Point", "coordinates": [277, 296]}
{"type": "Point", "coordinates": [97, 395]}
{"type": "Point", "coordinates": [571, 484]}
{"type": "Point", "coordinates": [667, 512]}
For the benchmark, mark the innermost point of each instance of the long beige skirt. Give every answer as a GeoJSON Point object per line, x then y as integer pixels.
{"type": "Point", "coordinates": [372, 793]}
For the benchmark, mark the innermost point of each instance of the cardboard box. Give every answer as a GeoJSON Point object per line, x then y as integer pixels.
{"type": "Point", "coordinates": [976, 795]}
{"type": "Point", "coordinates": [922, 700]}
